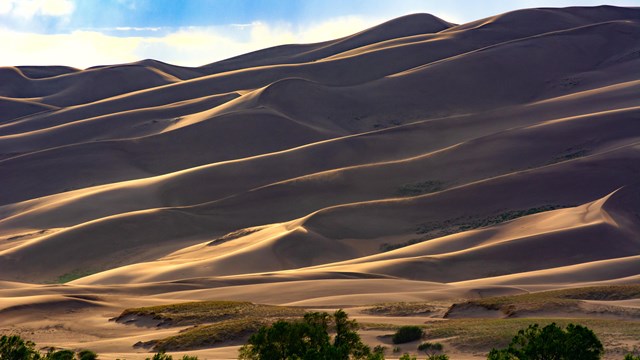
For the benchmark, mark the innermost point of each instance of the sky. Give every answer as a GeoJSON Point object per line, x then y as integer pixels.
{"type": "Point", "coordinates": [85, 33]}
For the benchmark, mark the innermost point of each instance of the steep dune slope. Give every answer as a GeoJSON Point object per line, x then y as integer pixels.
{"type": "Point", "coordinates": [424, 92]}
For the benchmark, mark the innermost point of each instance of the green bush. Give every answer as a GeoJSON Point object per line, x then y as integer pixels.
{"type": "Point", "coordinates": [437, 357]}
{"type": "Point", "coordinates": [406, 334]}
{"type": "Point", "coordinates": [551, 342]}
{"type": "Point", "coordinates": [87, 355]}
{"type": "Point", "coordinates": [429, 347]}
{"type": "Point", "coordinates": [631, 357]}
{"type": "Point", "coordinates": [406, 356]}
{"type": "Point", "coordinates": [15, 348]}
{"type": "Point", "coordinates": [160, 356]}
{"type": "Point", "coordinates": [60, 355]}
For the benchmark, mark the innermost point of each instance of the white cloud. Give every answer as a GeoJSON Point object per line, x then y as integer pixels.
{"type": "Point", "coordinates": [192, 46]}
{"type": "Point", "coordinates": [27, 9]}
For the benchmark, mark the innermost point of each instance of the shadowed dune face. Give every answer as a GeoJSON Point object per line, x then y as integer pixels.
{"type": "Point", "coordinates": [426, 159]}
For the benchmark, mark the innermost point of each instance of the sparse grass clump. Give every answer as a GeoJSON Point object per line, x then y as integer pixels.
{"type": "Point", "coordinates": [442, 228]}
{"type": "Point", "coordinates": [73, 275]}
{"type": "Point", "coordinates": [485, 334]}
{"type": "Point", "coordinates": [429, 347]}
{"type": "Point", "coordinates": [201, 312]}
{"type": "Point", "coordinates": [389, 247]}
{"type": "Point", "coordinates": [420, 188]}
{"type": "Point", "coordinates": [233, 235]}
{"type": "Point", "coordinates": [567, 300]}
{"type": "Point", "coordinates": [202, 336]}
{"type": "Point", "coordinates": [403, 309]}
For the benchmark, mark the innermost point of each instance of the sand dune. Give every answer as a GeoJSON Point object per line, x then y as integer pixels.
{"type": "Point", "coordinates": [418, 160]}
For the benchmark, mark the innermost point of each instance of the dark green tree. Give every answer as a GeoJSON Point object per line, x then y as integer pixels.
{"type": "Point", "coordinates": [551, 343]}
{"type": "Point", "coordinates": [309, 339]}
{"type": "Point", "coordinates": [14, 348]}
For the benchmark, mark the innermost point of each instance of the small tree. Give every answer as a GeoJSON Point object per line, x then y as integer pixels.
{"type": "Point", "coordinates": [309, 339]}
{"type": "Point", "coordinates": [551, 342]}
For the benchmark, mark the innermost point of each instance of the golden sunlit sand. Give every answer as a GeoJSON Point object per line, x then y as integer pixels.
{"type": "Point", "coordinates": [416, 161]}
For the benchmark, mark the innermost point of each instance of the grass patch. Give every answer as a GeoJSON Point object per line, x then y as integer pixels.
{"type": "Point", "coordinates": [73, 275]}
{"type": "Point", "coordinates": [384, 247]}
{"type": "Point", "coordinates": [202, 312]}
{"type": "Point", "coordinates": [452, 226]}
{"type": "Point", "coordinates": [438, 229]}
{"type": "Point", "coordinates": [484, 334]}
{"type": "Point", "coordinates": [566, 300]}
{"type": "Point", "coordinates": [233, 235]}
{"type": "Point", "coordinates": [215, 321]}
{"type": "Point", "coordinates": [569, 154]}
{"type": "Point", "coordinates": [420, 188]}
{"type": "Point", "coordinates": [203, 336]}
{"type": "Point", "coordinates": [404, 309]}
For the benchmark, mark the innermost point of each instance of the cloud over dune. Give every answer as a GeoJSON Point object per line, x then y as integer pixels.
{"type": "Point", "coordinates": [188, 46]}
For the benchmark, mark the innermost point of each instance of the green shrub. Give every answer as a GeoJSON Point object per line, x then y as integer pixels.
{"type": "Point", "coordinates": [406, 356]}
{"type": "Point", "coordinates": [631, 357]}
{"type": "Point", "coordinates": [87, 355]}
{"type": "Point", "coordinates": [60, 355]}
{"type": "Point", "coordinates": [429, 347]}
{"type": "Point", "coordinates": [551, 342]}
{"type": "Point", "coordinates": [437, 357]}
{"type": "Point", "coordinates": [160, 356]}
{"type": "Point", "coordinates": [406, 334]}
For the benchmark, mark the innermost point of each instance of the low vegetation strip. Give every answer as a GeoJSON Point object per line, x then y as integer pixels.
{"type": "Point", "coordinates": [485, 334]}
{"type": "Point", "coordinates": [233, 235]}
{"type": "Point", "coordinates": [420, 188]}
{"type": "Point", "coordinates": [215, 322]}
{"type": "Point", "coordinates": [406, 309]}
{"type": "Point", "coordinates": [436, 229]}
{"type": "Point", "coordinates": [566, 300]}
{"type": "Point", "coordinates": [202, 312]}
{"type": "Point", "coordinates": [203, 336]}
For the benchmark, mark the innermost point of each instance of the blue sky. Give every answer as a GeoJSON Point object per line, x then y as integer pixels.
{"type": "Point", "coordinates": [84, 33]}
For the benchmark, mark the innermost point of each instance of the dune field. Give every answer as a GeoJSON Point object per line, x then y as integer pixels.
{"type": "Point", "coordinates": [416, 161]}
